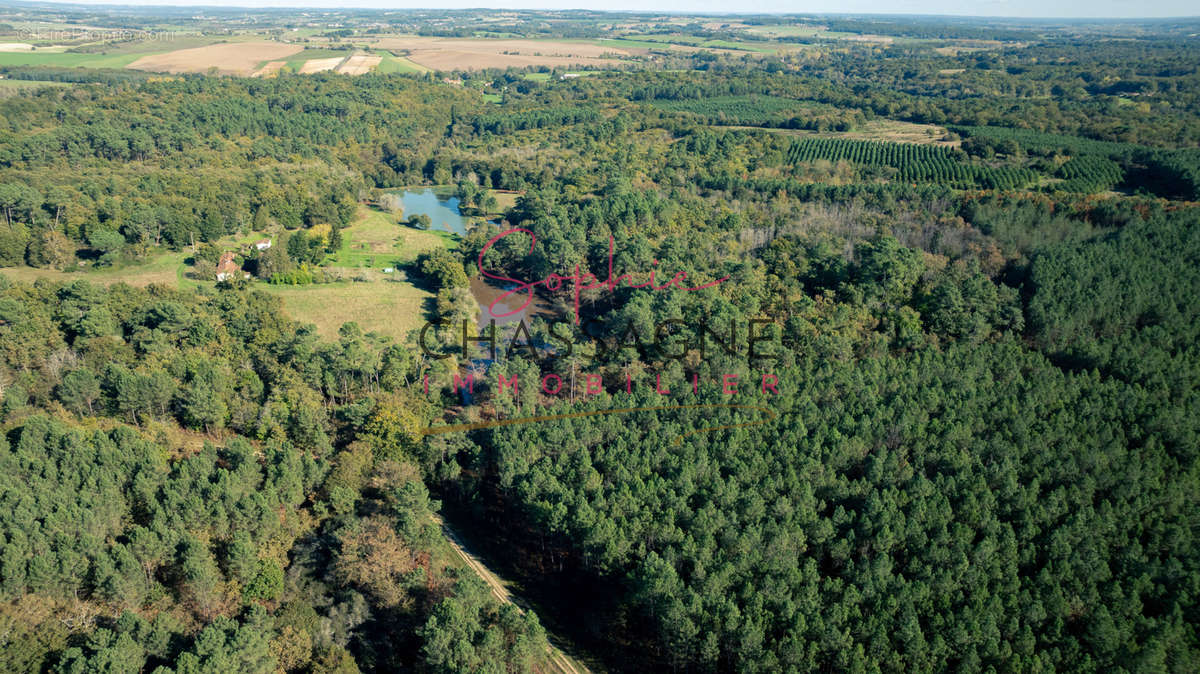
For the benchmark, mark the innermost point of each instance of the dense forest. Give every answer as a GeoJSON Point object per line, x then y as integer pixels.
{"type": "Point", "coordinates": [975, 272]}
{"type": "Point", "coordinates": [193, 482]}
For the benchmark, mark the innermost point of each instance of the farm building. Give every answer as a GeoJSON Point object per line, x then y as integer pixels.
{"type": "Point", "coordinates": [227, 269]}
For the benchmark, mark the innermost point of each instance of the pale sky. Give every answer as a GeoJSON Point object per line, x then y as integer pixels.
{"type": "Point", "coordinates": [1010, 8]}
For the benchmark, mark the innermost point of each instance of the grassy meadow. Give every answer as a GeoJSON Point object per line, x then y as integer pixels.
{"type": "Point", "coordinates": [389, 304]}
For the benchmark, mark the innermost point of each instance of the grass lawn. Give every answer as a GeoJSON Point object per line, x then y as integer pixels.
{"type": "Point", "coordinates": [537, 77]}
{"type": "Point", "coordinates": [391, 308]}
{"type": "Point", "coordinates": [388, 304]}
{"type": "Point", "coordinates": [165, 268]}
{"type": "Point", "coordinates": [376, 241]}
{"type": "Point", "coordinates": [504, 200]}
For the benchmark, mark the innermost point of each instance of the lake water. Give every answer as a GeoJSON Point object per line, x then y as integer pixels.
{"type": "Point", "coordinates": [442, 211]}
{"type": "Point", "coordinates": [445, 217]}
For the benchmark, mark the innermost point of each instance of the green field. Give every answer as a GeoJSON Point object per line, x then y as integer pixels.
{"type": "Point", "coordinates": [376, 241]}
{"type": "Point", "coordinates": [787, 31]}
{"type": "Point", "coordinates": [397, 64]}
{"type": "Point", "coordinates": [389, 307]}
{"type": "Point", "coordinates": [67, 60]}
{"type": "Point", "coordinates": [504, 200]}
{"type": "Point", "coordinates": [112, 55]}
{"type": "Point", "coordinates": [385, 303]}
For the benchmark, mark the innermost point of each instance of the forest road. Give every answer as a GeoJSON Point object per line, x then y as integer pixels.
{"type": "Point", "coordinates": [559, 660]}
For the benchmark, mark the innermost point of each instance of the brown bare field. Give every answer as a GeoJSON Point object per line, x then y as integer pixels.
{"type": "Point", "coordinates": [359, 64]}
{"type": "Point", "coordinates": [476, 54]}
{"type": "Point", "coordinates": [889, 130]}
{"type": "Point", "coordinates": [241, 58]}
{"type": "Point", "coordinates": [881, 39]}
{"type": "Point", "coordinates": [318, 65]}
{"type": "Point", "coordinates": [269, 69]}
{"type": "Point", "coordinates": [901, 132]}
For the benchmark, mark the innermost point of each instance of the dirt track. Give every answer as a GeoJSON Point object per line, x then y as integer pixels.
{"type": "Point", "coordinates": [557, 658]}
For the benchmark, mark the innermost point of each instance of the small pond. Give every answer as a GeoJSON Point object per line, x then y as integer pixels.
{"type": "Point", "coordinates": [442, 211]}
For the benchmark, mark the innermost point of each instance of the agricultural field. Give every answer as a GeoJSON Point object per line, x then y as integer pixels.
{"type": "Point", "coordinates": [359, 64]}
{"type": "Point", "coordinates": [475, 54]}
{"type": "Point", "coordinates": [321, 65]}
{"type": "Point", "coordinates": [242, 58]}
{"type": "Point", "coordinates": [54, 57]}
{"type": "Point", "coordinates": [692, 42]}
{"type": "Point", "coordinates": [896, 131]}
{"type": "Point", "coordinates": [1089, 174]}
{"type": "Point", "coordinates": [741, 110]}
{"type": "Point", "coordinates": [916, 163]}
{"type": "Point", "coordinates": [391, 63]}
{"type": "Point", "coordinates": [269, 69]}
{"type": "Point", "coordinates": [791, 30]}
{"type": "Point", "coordinates": [297, 61]}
